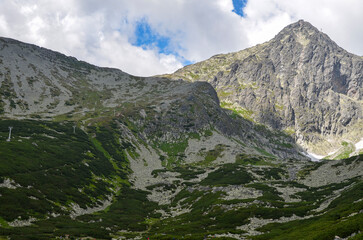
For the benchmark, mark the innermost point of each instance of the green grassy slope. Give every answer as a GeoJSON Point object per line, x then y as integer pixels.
{"type": "Point", "coordinates": [49, 168]}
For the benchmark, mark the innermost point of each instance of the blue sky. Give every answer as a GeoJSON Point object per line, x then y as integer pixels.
{"type": "Point", "coordinates": [238, 6]}
{"type": "Point", "coordinates": [147, 37]}
{"type": "Point", "coordinates": [144, 37]}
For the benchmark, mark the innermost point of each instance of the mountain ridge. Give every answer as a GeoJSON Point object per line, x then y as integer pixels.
{"type": "Point", "coordinates": [48, 85]}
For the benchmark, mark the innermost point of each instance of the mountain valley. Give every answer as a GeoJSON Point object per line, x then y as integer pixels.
{"type": "Point", "coordinates": [218, 149]}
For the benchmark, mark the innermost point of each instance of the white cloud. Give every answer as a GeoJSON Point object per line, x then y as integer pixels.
{"type": "Point", "coordinates": [3, 25]}
{"type": "Point", "coordinates": [341, 20]}
{"type": "Point", "coordinates": [114, 50]}
{"type": "Point", "coordinates": [95, 33]}
{"type": "Point", "coordinates": [100, 32]}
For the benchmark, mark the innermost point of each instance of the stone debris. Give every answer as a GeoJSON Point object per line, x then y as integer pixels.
{"type": "Point", "coordinates": [22, 223]}
{"type": "Point", "coordinates": [78, 211]}
{"type": "Point", "coordinates": [332, 172]}
{"type": "Point", "coordinates": [259, 222]}
{"type": "Point", "coordinates": [287, 192]}
{"type": "Point", "coordinates": [9, 183]}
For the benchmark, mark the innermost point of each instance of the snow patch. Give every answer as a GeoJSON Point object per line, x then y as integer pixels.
{"type": "Point", "coordinates": [333, 152]}
{"type": "Point", "coordinates": [359, 145]}
{"type": "Point", "coordinates": [313, 157]}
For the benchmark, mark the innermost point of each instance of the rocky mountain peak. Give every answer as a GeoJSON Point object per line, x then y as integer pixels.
{"type": "Point", "coordinates": [301, 81]}
{"type": "Point", "coordinates": [300, 26]}
{"type": "Point", "coordinates": [304, 33]}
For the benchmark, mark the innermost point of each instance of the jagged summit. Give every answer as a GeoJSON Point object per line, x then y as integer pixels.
{"type": "Point", "coordinates": [301, 26]}
{"type": "Point", "coordinates": [304, 33]}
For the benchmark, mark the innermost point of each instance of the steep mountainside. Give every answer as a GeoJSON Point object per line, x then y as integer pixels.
{"type": "Point", "coordinates": [43, 84]}
{"type": "Point", "coordinates": [300, 82]}
{"type": "Point", "coordinates": [89, 152]}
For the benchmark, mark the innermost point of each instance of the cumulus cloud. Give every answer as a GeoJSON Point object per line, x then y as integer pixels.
{"type": "Point", "coordinates": [103, 32]}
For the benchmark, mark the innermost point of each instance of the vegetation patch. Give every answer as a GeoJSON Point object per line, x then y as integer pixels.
{"type": "Point", "coordinates": [341, 220]}
{"type": "Point", "coordinates": [273, 173]}
{"type": "Point", "coordinates": [188, 173]}
{"type": "Point", "coordinates": [344, 153]}
{"type": "Point", "coordinates": [238, 111]}
{"type": "Point", "coordinates": [246, 159]}
{"type": "Point", "coordinates": [212, 155]}
{"type": "Point", "coordinates": [175, 152]}
{"type": "Point", "coordinates": [309, 168]}
{"type": "Point", "coordinates": [54, 166]}
{"type": "Point", "coordinates": [264, 152]}
{"type": "Point", "coordinates": [232, 174]}
{"type": "Point", "coordinates": [348, 161]}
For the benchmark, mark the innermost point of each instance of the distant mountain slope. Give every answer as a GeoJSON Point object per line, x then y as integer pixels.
{"type": "Point", "coordinates": [38, 81]}
{"type": "Point", "coordinates": [300, 81]}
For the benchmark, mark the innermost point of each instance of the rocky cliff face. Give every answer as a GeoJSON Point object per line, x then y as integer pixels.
{"type": "Point", "coordinates": [300, 81]}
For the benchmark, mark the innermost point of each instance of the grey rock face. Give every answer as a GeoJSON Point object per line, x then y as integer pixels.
{"type": "Point", "coordinates": [299, 80]}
